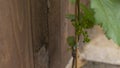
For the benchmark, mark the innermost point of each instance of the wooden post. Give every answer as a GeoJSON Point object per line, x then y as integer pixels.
{"type": "Point", "coordinates": [15, 34]}
{"type": "Point", "coordinates": [58, 32]}
{"type": "Point", "coordinates": [39, 20]}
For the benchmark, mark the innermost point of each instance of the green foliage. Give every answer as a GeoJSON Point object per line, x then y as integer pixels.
{"type": "Point", "coordinates": [72, 1]}
{"type": "Point", "coordinates": [85, 21]}
{"type": "Point", "coordinates": [71, 17]}
{"type": "Point", "coordinates": [71, 41]}
{"type": "Point", "coordinates": [88, 16]}
{"type": "Point", "coordinates": [107, 14]}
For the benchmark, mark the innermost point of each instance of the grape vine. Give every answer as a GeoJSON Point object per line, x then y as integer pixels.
{"type": "Point", "coordinates": [82, 20]}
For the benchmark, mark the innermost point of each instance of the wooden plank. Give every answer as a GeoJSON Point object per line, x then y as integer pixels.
{"type": "Point", "coordinates": [58, 32]}
{"type": "Point", "coordinates": [66, 30]}
{"type": "Point", "coordinates": [54, 34]}
{"type": "Point", "coordinates": [100, 65]}
{"type": "Point", "coordinates": [39, 23]}
{"type": "Point", "coordinates": [15, 34]}
{"type": "Point", "coordinates": [40, 32]}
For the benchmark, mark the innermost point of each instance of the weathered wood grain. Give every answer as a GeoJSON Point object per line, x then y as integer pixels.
{"type": "Point", "coordinates": [54, 34]}
{"type": "Point", "coordinates": [40, 32]}
{"type": "Point", "coordinates": [58, 54]}
{"type": "Point", "coordinates": [15, 34]}
{"type": "Point", "coordinates": [39, 23]}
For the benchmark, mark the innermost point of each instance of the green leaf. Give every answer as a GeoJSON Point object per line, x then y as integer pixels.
{"type": "Point", "coordinates": [71, 41]}
{"type": "Point", "coordinates": [72, 1]}
{"type": "Point", "coordinates": [88, 12]}
{"type": "Point", "coordinates": [70, 17]}
{"type": "Point", "coordinates": [107, 14]}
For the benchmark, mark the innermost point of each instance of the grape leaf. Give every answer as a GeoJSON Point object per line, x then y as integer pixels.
{"type": "Point", "coordinates": [107, 14]}
{"type": "Point", "coordinates": [71, 41]}
{"type": "Point", "coordinates": [88, 12]}
{"type": "Point", "coordinates": [88, 19]}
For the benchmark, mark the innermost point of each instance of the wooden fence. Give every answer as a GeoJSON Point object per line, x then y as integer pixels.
{"type": "Point", "coordinates": [29, 27]}
{"type": "Point", "coordinates": [15, 34]}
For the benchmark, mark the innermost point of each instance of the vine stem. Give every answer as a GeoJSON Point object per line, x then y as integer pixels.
{"type": "Point", "coordinates": [75, 49]}
{"type": "Point", "coordinates": [77, 19]}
